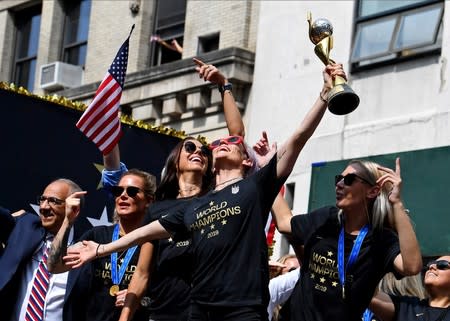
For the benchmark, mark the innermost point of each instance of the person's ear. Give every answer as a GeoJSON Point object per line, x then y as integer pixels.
{"type": "Point", "coordinates": [247, 162]}
{"type": "Point", "coordinates": [150, 200]}
{"type": "Point", "coordinates": [373, 192]}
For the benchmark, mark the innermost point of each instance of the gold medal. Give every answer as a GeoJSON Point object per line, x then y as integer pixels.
{"type": "Point", "coordinates": [113, 290]}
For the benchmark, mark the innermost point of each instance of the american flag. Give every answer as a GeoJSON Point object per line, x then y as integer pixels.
{"type": "Point", "coordinates": [100, 122]}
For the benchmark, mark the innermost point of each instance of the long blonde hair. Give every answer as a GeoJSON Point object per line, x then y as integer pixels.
{"type": "Point", "coordinates": [379, 211]}
{"type": "Point", "coordinates": [407, 286]}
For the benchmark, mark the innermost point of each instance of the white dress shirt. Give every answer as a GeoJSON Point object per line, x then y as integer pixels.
{"type": "Point", "coordinates": [280, 289]}
{"type": "Point", "coordinates": [54, 300]}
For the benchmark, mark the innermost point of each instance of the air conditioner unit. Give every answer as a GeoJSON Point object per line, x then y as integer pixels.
{"type": "Point", "coordinates": [59, 75]}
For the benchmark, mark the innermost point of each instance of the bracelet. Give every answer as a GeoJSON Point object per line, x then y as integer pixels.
{"type": "Point", "coordinates": [96, 251]}
{"type": "Point", "coordinates": [322, 99]}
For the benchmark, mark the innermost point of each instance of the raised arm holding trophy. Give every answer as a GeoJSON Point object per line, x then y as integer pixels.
{"type": "Point", "coordinates": [341, 98]}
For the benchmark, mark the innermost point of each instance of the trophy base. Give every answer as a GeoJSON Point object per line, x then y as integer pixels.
{"type": "Point", "coordinates": [342, 100]}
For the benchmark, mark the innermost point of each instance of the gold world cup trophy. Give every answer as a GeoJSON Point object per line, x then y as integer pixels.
{"type": "Point", "coordinates": [341, 98]}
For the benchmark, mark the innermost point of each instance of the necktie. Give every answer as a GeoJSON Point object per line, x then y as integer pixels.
{"type": "Point", "coordinates": [36, 301]}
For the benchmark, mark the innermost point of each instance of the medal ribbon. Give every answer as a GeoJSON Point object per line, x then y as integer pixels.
{"type": "Point", "coordinates": [116, 278]}
{"type": "Point", "coordinates": [367, 316]}
{"type": "Point", "coordinates": [353, 254]}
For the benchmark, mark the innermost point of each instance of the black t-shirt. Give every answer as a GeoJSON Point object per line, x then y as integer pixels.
{"type": "Point", "coordinates": [318, 294]}
{"type": "Point", "coordinates": [412, 308]}
{"type": "Point", "coordinates": [101, 305]}
{"type": "Point", "coordinates": [228, 240]}
{"type": "Point", "coordinates": [170, 279]}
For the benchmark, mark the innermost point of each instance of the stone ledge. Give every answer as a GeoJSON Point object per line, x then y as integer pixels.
{"type": "Point", "coordinates": [236, 63]}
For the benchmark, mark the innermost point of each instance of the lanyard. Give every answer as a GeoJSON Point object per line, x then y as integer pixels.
{"type": "Point", "coordinates": [367, 316]}
{"type": "Point", "coordinates": [353, 254]}
{"type": "Point", "coordinates": [116, 278]}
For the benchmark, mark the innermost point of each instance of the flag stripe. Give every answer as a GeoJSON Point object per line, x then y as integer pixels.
{"type": "Point", "coordinates": [103, 103]}
{"type": "Point", "coordinates": [110, 114]}
{"type": "Point", "coordinates": [105, 128]}
{"type": "Point", "coordinates": [105, 85]}
{"type": "Point", "coordinates": [109, 136]}
{"type": "Point", "coordinates": [108, 148]}
{"type": "Point", "coordinates": [100, 122]}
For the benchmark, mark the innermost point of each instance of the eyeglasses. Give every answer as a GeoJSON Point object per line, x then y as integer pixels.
{"type": "Point", "coordinates": [440, 264]}
{"type": "Point", "coordinates": [51, 200]}
{"type": "Point", "coordinates": [131, 191]}
{"type": "Point", "coordinates": [349, 179]}
{"type": "Point", "coordinates": [234, 140]}
{"type": "Point", "coordinates": [190, 148]}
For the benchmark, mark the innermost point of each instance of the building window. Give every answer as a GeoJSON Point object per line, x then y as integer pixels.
{"type": "Point", "coordinates": [28, 25]}
{"type": "Point", "coordinates": [169, 26]}
{"type": "Point", "coordinates": [76, 29]}
{"type": "Point", "coordinates": [208, 43]}
{"type": "Point", "coordinates": [390, 31]}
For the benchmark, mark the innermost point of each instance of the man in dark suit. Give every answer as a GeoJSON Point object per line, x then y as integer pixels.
{"type": "Point", "coordinates": [6, 224]}
{"type": "Point", "coordinates": [26, 237]}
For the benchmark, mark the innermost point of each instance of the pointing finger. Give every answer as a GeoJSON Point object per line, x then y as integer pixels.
{"type": "Point", "coordinates": [397, 166]}
{"type": "Point", "coordinates": [198, 62]}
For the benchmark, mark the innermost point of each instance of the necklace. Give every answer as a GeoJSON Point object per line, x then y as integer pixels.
{"type": "Point", "coordinates": [182, 191]}
{"type": "Point", "coordinates": [229, 180]}
{"type": "Point", "coordinates": [190, 188]}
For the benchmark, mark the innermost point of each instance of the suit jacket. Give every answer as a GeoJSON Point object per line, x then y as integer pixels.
{"type": "Point", "coordinates": [6, 225]}
{"type": "Point", "coordinates": [23, 238]}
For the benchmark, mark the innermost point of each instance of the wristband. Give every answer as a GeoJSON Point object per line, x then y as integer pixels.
{"type": "Point", "coordinates": [96, 251]}
{"type": "Point", "coordinates": [227, 86]}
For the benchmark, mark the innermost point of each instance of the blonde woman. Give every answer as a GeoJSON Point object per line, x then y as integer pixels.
{"type": "Point", "coordinates": [348, 248]}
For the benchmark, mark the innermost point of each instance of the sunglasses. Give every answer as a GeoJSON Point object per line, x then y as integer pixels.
{"type": "Point", "coordinates": [131, 191]}
{"type": "Point", "coordinates": [190, 148]}
{"type": "Point", "coordinates": [440, 264]}
{"type": "Point", "coordinates": [349, 179]}
{"type": "Point", "coordinates": [234, 140]}
{"type": "Point", "coordinates": [51, 200]}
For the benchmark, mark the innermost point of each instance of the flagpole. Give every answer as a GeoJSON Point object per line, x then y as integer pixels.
{"type": "Point", "coordinates": [132, 28]}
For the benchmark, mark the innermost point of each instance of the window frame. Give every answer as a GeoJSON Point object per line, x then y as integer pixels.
{"type": "Point", "coordinates": [164, 31]}
{"type": "Point", "coordinates": [205, 40]}
{"type": "Point", "coordinates": [21, 16]}
{"type": "Point", "coordinates": [67, 48]}
{"type": "Point", "coordinates": [392, 55]}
